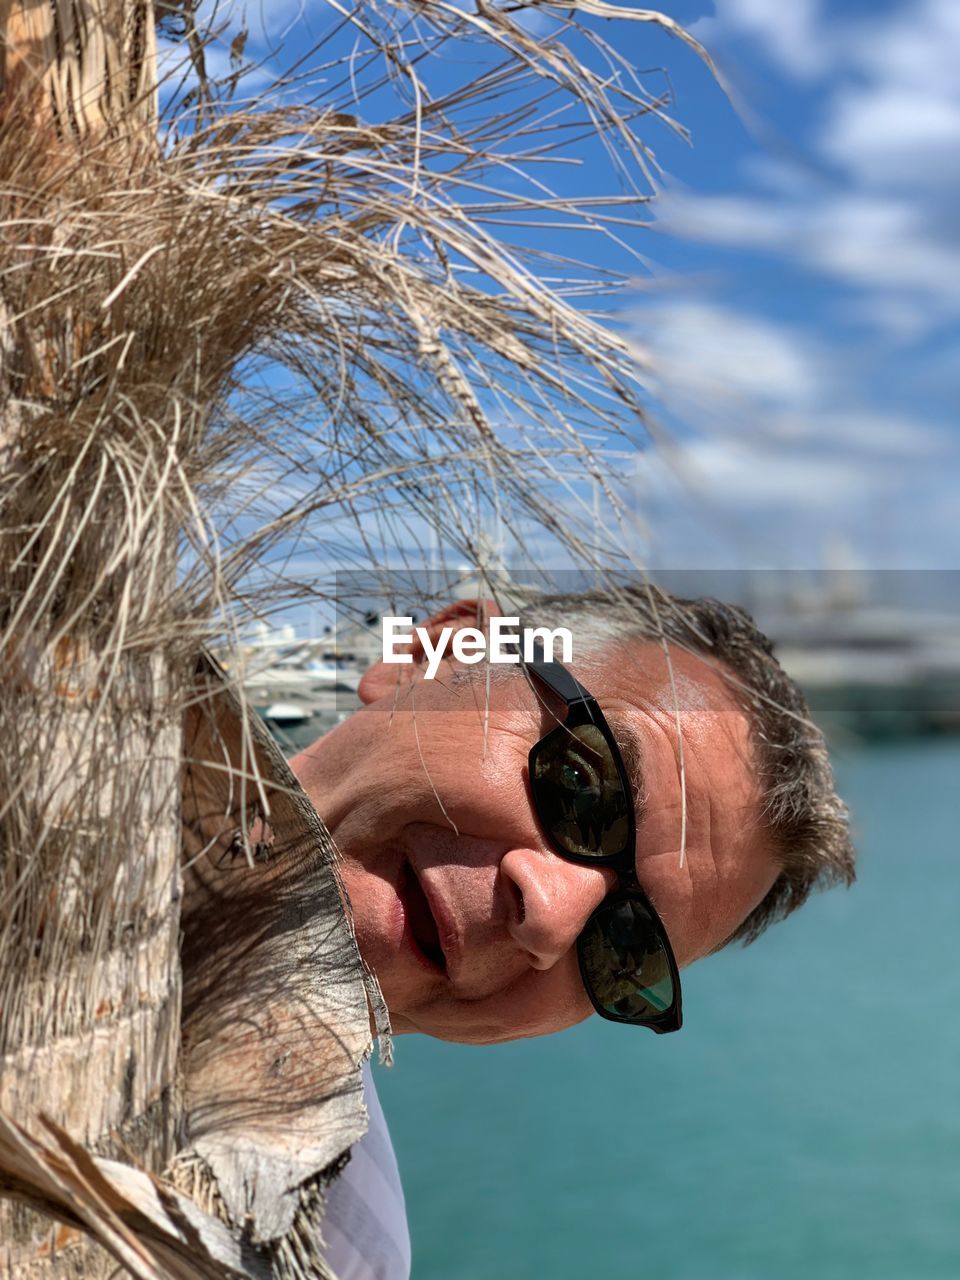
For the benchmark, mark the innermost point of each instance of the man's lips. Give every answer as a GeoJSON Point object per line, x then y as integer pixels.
{"type": "Point", "coordinates": [420, 921]}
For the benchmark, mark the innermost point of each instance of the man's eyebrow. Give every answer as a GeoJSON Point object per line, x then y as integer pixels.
{"type": "Point", "coordinates": [631, 749]}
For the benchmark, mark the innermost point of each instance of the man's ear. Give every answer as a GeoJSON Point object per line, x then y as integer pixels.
{"type": "Point", "coordinates": [385, 678]}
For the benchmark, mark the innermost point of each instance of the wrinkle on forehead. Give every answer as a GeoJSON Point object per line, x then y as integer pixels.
{"type": "Point", "coordinates": [727, 868]}
{"type": "Point", "coordinates": [688, 693]}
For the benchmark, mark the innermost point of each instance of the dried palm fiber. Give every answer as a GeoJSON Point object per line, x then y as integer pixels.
{"type": "Point", "coordinates": [151, 468]}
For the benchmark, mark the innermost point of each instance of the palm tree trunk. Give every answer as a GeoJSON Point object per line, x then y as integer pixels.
{"type": "Point", "coordinates": [89, 859]}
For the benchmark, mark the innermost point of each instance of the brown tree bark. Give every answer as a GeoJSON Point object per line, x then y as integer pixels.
{"type": "Point", "coordinates": [89, 923]}
{"type": "Point", "coordinates": [247, 1101]}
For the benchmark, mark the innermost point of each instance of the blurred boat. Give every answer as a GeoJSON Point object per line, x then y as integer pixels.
{"type": "Point", "coordinates": [289, 677]}
{"type": "Point", "coordinates": [874, 671]}
{"type": "Point", "coordinates": [287, 713]}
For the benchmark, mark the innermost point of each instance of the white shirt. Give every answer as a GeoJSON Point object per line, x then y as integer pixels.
{"type": "Point", "coordinates": [365, 1223]}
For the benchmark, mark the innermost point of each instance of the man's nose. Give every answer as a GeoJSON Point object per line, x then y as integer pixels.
{"type": "Point", "coordinates": [549, 901]}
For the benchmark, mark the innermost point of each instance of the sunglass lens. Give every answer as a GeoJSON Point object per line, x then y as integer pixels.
{"type": "Point", "coordinates": [624, 962]}
{"type": "Point", "coordinates": [579, 792]}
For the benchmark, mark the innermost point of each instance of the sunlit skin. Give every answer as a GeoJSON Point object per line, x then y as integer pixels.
{"type": "Point", "coordinates": [434, 774]}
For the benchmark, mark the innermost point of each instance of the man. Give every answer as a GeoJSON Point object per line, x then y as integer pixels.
{"type": "Point", "coordinates": [467, 899]}
{"type": "Point", "coordinates": [463, 905]}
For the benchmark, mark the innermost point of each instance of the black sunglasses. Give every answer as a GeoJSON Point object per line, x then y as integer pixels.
{"type": "Point", "coordinates": [582, 796]}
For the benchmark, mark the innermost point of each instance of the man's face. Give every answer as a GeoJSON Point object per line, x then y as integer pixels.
{"type": "Point", "coordinates": [466, 915]}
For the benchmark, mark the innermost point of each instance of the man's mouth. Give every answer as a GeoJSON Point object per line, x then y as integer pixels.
{"type": "Point", "coordinates": [419, 917]}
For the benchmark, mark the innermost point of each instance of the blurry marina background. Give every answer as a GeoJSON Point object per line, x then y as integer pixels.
{"type": "Point", "coordinates": [878, 654]}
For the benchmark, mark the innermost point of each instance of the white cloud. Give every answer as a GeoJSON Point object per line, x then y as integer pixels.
{"type": "Point", "coordinates": [870, 433]}
{"type": "Point", "coordinates": [762, 223]}
{"type": "Point", "coordinates": [730, 505]}
{"type": "Point", "coordinates": [265, 21]}
{"type": "Point", "coordinates": [788, 32]}
{"type": "Point", "coordinates": [756, 377]}
{"type": "Point", "coordinates": [880, 220]}
{"type": "Point", "coordinates": [754, 480]}
{"type": "Point", "coordinates": [712, 356]}
{"type": "Point", "coordinates": [894, 135]}
{"type": "Point", "coordinates": [873, 242]}
{"type": "Point", "coordinates": [789, 454]}
{"type": "Point", "coordinates": [915, 45]}
{"type": "Point", "coordinates": [882, 245]}
{"type": "Point", "coordinates": [896, 122]}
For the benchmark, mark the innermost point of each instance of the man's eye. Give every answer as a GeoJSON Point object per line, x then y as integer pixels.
{"type": "Point", "coordinates": [576, 776]}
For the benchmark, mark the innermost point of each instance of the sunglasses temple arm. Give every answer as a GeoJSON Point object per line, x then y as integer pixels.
{"type": "Point", "coordinates": [556, 677]}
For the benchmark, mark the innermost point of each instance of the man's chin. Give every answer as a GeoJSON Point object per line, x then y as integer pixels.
{"type": "Point", "coordinates": [473, 1022]}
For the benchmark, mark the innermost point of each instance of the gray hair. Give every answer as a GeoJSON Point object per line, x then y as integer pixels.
{"type": "Point", "coordinates": [806, 820]}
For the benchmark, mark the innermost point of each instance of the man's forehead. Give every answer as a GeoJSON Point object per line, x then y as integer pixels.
{"type": "Point", "coordinates": [651, 676]}
{"type": "Point", "coordinates": [687, 711]}
{"type": "Point", "coordinates": [715, 816]}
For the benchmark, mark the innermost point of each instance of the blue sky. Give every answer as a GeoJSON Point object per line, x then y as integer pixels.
{"type": "Point", "coordinates": [800, 293]}
{"type": "Point", "coordinates": [809, 323]}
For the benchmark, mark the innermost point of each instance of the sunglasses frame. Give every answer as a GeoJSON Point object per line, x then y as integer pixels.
{"type": "Point", "coordinates": [583, 708]}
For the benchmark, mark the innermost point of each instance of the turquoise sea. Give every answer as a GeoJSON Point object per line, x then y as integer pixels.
{"type": "Point", "coordinates": [804, 1125]}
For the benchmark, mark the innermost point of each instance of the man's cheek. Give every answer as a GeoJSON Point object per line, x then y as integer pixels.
{"type": "Point", "coordinates": [542, 1003]}
{"type": "Point", "coordinates": [686, 915]}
